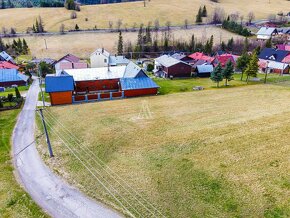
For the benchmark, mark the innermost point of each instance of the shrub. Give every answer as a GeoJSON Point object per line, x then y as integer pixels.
{"type": "Point", "coordinates": [17, 93]}
{"type": "Point", "coordinates": [1, 103]}
{"type": "Point", "coordinates": [73, 15]}
{"type": "Point", "coordinates": [150, 67]}
{"type": "Point", "coordinates": [10, 97]}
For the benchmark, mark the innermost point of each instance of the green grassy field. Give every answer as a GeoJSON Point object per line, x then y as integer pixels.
{"type": "Point", "coordinates": [212, 153]}
{"type": "Point", "coordinates": [14, 202]}
{"type": "Point", "coordinates": [12, 90]}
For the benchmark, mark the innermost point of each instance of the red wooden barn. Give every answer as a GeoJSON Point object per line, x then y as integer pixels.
{"type": "Point", "coordinates": [167, 67]}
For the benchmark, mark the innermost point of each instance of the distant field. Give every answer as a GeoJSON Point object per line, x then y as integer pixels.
{"type": "Point", "coordinates": [214, 153]}
{"type": "Point", "coordinates": [83, 44]}
{"type": "Point", "coordinates": [175, 11]}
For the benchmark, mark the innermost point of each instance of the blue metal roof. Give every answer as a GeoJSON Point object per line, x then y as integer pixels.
{"type": "Point", "coordinates": [11, 75]}
{"type": "Point", "coordinates": [59, 83]}
{"type": "Point", "coordinates": [137, 83]}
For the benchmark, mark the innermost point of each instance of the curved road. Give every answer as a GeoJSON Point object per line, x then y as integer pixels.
{"type": "Point", "coordinates": [56, 197]}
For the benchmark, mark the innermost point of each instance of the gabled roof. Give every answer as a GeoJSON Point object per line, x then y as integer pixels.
{"type": "Point", "coordinates": [132, 70]}
{"type": "Point", "coordinates": [223, 59]}
{"type": "Point", "coordinates": [286, 59]}
{"type": "Point", "coordinates": [137, 83]}
{"type": "Point", "coordinates": [204, 68]}
{"type": "Point", "coordinates": [118, 60]}
{"type": "Point", "coordinates": [70, 58]}
{"type": "Point", "coordinates": [201, 56]}
{"type": "Point", "coordinates": [168, 61]}
{"type": "Point", "coordinates": [12, 75]}
{"type": "Point", "coordinates": [46, 60]}
{"type": "Point", "coordinates": [277, 65]}
{"type": "Point", "coordinates": [178, 56]}
{"type": "Point", "coordinates": [101, 51]}
{"type": "Point", "coordinates": [267, 31]}
{"type": "Point", "coordinates": [103, 73]}
{"type": "Point", "coordinates": [6, 57]}
{"type": "Point", "coordinates": [61, 83]}
{"type": "Point", "coordinates": [273, 54]}
{"type": "Point", "coordinates": [8, 65]}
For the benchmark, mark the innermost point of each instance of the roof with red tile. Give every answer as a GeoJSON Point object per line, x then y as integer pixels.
{"type": "Point", "coordinates": [223, 59]}
{"type": "Point", "coordinates": [201, 56]}
{"type": "Point", "coordinates": [8, 65]}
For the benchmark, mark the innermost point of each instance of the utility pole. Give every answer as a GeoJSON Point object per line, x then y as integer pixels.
{"type": "Point", "coordinates": [40, 83]}
{"type": "Point", "coordinates": [46, 134]}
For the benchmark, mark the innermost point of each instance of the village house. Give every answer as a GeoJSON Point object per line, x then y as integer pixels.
{"type": "Point", "coordinates": [69, 61]}
{"type": "Point", "coordinates": [102, 58]}
{"type": "Point", "coordinates": [6, 57]}
{"type": "Point", "coordinates": [8, 65]}
{"type": "Point", "coordinates": [11, 77]}
{"type": "Point", "coordinates": [168, 67]}
{"type": "Point", "coordinates": [203, 70]}
{"type": "Point", "coordinates": [223, 59]}
{"type": "Point", "coordinates": [273, 54]}
{"type": "Point", "coordinates": [95, 84]}
{"type": "Point", "coordinates": [266, 33]}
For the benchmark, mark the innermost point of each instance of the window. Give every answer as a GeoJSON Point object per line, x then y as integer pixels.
{"type": "Point", "coordinates": [105, 60]}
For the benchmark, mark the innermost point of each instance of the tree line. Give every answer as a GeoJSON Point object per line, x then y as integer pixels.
{"type": "Point", "coordinates": [18, 47]}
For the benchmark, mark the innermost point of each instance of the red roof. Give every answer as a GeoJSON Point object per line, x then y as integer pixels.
{"type": "Point", "coordinates": [286, 59]}
{"type": "Point", "coordinates": [8, 65]}
{"type": "Point", "coordinates": [200, 56]}
{"type": "Point", "coordinates": [70, 58]}
{"type": "Point", "coordinates": [223, 59]}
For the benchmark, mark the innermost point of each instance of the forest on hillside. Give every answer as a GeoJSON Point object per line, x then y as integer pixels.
{"type": "Point", "coordinates": [52, 3]}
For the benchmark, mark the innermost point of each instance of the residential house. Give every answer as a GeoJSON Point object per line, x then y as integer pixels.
{"type": "Point", "coordinates": [223, 59]}
{"type": "Point", "coordinates": [69, 61]}
{"type": "Point", "coordinates": [273, 54]}
{"type": "Point", "coordinates": [266, 33]}
{"type": "Point", "coordinates": [9, 77]}
{"type": "Point", "coordinates": [169, 67]}
{"type": "Point", "coordinates": [200, 56]}
{"type": "Point", "coordinates": [6, 57]}
{"type": "Point", "coordinates": [102, 58]}
{"type": "Point", "coordinates": [8, 65]}
{"type": "Point", "coordinates": [94, 84]}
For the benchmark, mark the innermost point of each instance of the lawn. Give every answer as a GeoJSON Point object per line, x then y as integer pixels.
{"type": "Point", "coordinates": [14, 202]}
{"type": "Point", "coordinates": [212, 153]}
{"type": "Point", "coordinates": [12, 90]}
{"type": "Point", "coordinates": [134, 12]}
{"type": "Point", "coordinates": [186, 85]}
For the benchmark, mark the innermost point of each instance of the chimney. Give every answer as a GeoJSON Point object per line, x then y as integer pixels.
{"type": "Point", "coordinates": [103, 50]}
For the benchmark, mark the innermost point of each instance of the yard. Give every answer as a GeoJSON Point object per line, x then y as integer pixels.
{"type": "Point", "coordinates": [212, 153]}
{"type": "Point", "coordinates": [14, 202]}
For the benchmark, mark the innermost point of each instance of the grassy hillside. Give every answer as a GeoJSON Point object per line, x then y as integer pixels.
{"type": "Point", "coordinates": [215, 153]}
{"type": "Point", "coordinates": [175, 11]}
{"type": "Point", "coordinates": [83, 44]}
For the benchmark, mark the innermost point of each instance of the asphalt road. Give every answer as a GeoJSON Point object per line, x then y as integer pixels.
{"type": "Point", "coordinates": [55, 196]}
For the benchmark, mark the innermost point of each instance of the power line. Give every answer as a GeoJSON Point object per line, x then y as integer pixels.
{"type": "Point", "coordinates": [23, 149]}
{"type": "Point", "coordinates": [101, 164]}
{"type": "Point", "coordinates": [94, 175]}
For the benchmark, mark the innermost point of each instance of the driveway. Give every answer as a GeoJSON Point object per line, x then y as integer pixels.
{"type": "Point", "coordinates": [55, 196]}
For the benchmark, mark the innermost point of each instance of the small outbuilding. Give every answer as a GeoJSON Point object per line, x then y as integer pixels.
{"type": "Point", "coordinates": [60, 89]}
{"type": "Point", "coordinates": [266, 33]}
{"type": "Point", "coordinates": [204, 70]}
{"type": "Point", "coordinates": [168, 67]}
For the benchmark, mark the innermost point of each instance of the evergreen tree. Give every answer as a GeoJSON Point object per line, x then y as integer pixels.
{"type": "Point", "coordinates": [1, 103]}
{"type": "Point", "coordinates": [24, 47]}
{"type": "Point", "coordinates": [40, 25]}
{"type": "Point", "coordinates": [19, 46]}
{"type": "Point", "coordinates": [211, 44]}
{"type": "Point", "coordinates": [17, 93]}
{"type": "Point", "coordinates": [268, 43]}
{"type": "Point", "coordinates": [242, 63]}
{"type": "Point", "coordinates": [199, 16]}
{"type": "Point", "coordinates": [228, 72]}
{"type": "Point", "coordinates": [252, 67]}
{"type": "Point", "coordinates": [148, 36]}
{"type": "Point", "coordinates": [192, 44]}
{"type": "Point", "coordinates": [2, 45]}
{"type": "Point", "coordinates": [3, 4]}
{"type": "Point", "coordinates": [223, 46]}
{"type": "Point", "coordinates": [140, 39]}
{"type": "Point", "coordinates": [217, 75]}
{"type": "Point", "coordinates": [77, 27]}
{"type": "Point", "coordinates": [34, 29]}
{"type": "Point", "coordinates": [204, 11]}
{"type": "Point", "coordinates": [36, 26]}
{"type": "Point", "coordinates": [230, 44]}
{"type": "Point", "coordinates": [246, 45]}
{"type": "Point", "coordinates": [120, 44]}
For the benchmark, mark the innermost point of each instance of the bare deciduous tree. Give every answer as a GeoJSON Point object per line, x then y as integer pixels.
{"type": "Point", "coordinates": [111, 24]}
{"type": "Point", "coordinates": [251, 17]}
{"type": "Point", "coordinates": [62, 28]}
{"type": "Point", "coordinates": [218, 16]}
{"type": "Point", "coordinates": [119, 24]}
{"type": "Point", "coordinates": [185, 23]}
{"type": "Point", "coordinates": [156, 25]}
